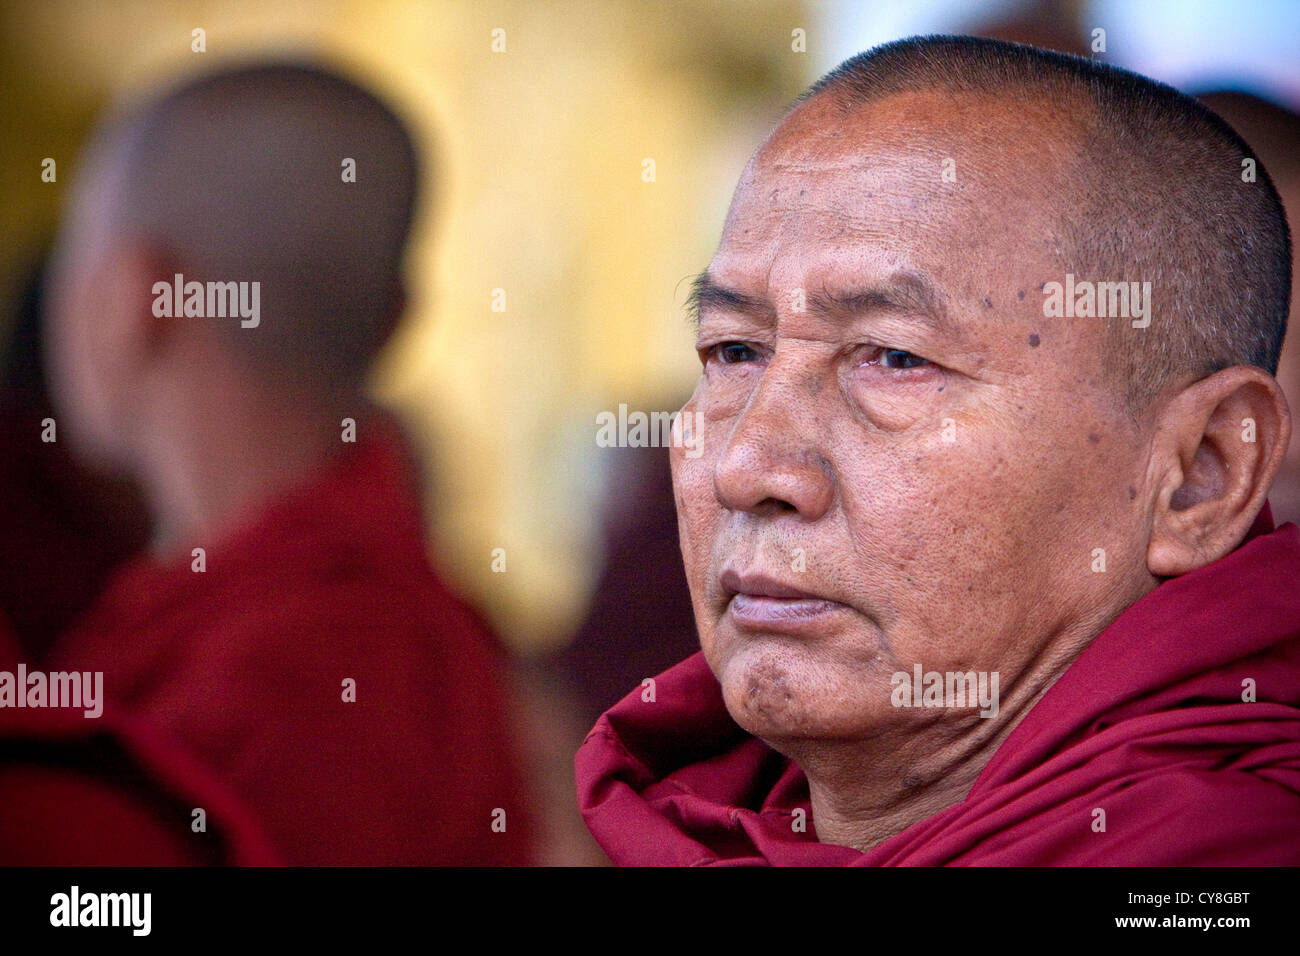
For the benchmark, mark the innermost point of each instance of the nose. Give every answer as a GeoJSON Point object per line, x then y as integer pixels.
{"type": "Point", "coordinates": [773, 463]}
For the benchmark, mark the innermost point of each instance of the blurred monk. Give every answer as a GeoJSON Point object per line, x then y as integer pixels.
{"type": "Point", "coordinates": [229, 266]}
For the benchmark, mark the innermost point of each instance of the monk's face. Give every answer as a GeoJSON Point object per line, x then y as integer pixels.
{"type": "Point", "coordinates": [903, 461]}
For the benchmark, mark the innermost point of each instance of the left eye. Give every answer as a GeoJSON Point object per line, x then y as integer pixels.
{"type": "Point", "coordinates": [898, 359]}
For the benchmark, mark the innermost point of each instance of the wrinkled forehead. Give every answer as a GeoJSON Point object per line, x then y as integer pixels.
{"type": "Point", "coordinates": [939, 178]}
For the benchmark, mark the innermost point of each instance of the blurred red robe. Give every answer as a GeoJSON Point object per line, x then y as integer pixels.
{"type": "Point", "coordinates": [110, 791]}
{"type": "Point", "coordinates": [320, 667]}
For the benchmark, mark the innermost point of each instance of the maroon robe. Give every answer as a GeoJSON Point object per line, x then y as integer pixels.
{"type": "Point", "coordinates": [110, 791]}
{"type": "Point", "coordinates": [1148, 725]}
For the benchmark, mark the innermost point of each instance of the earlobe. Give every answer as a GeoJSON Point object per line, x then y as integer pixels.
{"type": "Point", "coordinates": [1220, 443]}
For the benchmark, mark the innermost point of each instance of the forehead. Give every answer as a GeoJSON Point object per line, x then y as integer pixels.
{"type": "Point", "coordinates": [943, 179]}
{"type": "Point", "coordinates": [968, 191]}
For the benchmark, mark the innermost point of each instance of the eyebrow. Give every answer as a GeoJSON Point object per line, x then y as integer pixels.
{"type": "Point", "coordinates": [903, 291]}
{"type": "Point", "coordinates": [707, 294]}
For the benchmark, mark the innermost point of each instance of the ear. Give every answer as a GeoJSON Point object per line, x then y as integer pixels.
{"type": "Point", "coordinates": [1218, 446]}
{"type": "Point", "coordinates": [126, 283]}
{"type": "Point", "coordinates": [129, 336]}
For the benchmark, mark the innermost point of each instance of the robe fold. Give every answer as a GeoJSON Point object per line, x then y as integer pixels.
{"type": "Point", "coordinates": [321, 668]}
{"type": "Point", "coordinates": [1151, 725]}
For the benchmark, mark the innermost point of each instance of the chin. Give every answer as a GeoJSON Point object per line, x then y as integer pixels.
{"type": "Point", "coordinates": [779, 691]}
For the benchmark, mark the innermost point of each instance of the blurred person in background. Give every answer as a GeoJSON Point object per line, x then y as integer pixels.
{"type": "Point", "coordinates": [229, 266]}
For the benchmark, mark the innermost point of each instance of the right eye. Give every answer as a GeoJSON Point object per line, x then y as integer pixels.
{"type": "Point", "coordinates": [729, 353]}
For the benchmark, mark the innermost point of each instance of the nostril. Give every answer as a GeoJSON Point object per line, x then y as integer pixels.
{"type": "Point", "coordinates": [773, 507]}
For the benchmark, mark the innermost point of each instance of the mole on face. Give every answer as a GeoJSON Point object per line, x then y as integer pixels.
{"type": "Point", "coordinates": [1132, 492]}
{"type": "Point", "coordinates": [1094, 437]}
{"type": "Point", "coordinates": [1033, 337]}
{"type": "Point", "coordinates": [988, 304]}
{"type": "Point", "coordinates": [1020, 294]}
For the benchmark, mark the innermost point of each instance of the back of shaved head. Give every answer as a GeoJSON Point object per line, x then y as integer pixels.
{"type": "Point", "coordinates": [237, 176]}
{"type": "Point", "coordinates": [1156, 194]}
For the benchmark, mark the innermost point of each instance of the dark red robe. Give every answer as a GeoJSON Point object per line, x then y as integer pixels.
{"type": "Point", "coordinates": [111, 791]}
{"type": "Point", "coordinates": [246, 664]}
{"type": "Point", "coordinates": [1148, 724]}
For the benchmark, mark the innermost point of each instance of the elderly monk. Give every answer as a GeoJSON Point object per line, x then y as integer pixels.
{"type": "Point", "coordinates": [286, 626]}
{"type": "Point", "coordinates": [981, 576]}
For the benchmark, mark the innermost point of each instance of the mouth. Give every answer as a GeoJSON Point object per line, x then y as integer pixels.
{"type": "Point", "coordinates": [759, 601]}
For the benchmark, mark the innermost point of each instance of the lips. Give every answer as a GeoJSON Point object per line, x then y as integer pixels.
{"type": "Point", "coordinates": [760, 585]}
{"type": "Point", "coordinates": [757, 600]}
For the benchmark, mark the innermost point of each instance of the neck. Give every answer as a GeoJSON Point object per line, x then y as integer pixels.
{"type": "Point", "coordinates": [864, 792]}
{"type": "Point", "coordinates": [207, 474]}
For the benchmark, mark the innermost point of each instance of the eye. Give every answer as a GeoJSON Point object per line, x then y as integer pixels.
{"type": "Point", "coordinates": [897, 359]}
{"type": "Point", "coordinates": [729, 353]}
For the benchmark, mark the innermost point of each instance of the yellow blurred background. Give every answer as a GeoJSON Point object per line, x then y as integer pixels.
{"type": "Point", "coordinates": [535, 165]}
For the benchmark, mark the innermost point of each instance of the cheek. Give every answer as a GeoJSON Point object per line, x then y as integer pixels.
{"type": "Point", "coordinates": [699, 514]}
{"type": "Point", "coordinates": [76, 358]}
{"type": "Point", "coordinates": [697, 511]}
{"type": "Point", "coordinates": [66, 349]}
{"type": "Point", "coordinates": [928, 523]}
{"type": "Point", "coordinates": [969, 540]}
{"type": "Point", "coordinates": [83, 360]}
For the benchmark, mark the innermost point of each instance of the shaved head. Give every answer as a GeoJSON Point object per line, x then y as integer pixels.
{"type": "Point", "coordinates": [1148, 187]}
{"type": "Point", "coordinates": [238, 176]}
